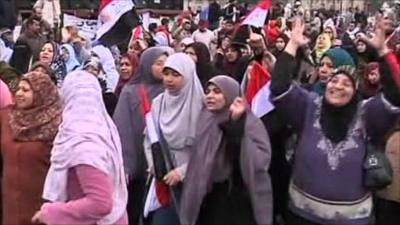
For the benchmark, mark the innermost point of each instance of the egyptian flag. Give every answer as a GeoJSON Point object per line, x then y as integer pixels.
{"type": "Point", "coordinates": [116, 20]}
{"type": "Point", "coordinates": [257, 91]}
{"type": "Point", "coordinates": [158, 194]}
{"type": "Point", "coordinates": [258, 15]}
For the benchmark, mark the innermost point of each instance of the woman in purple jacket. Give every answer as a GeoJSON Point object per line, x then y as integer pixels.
{"type": "Point", "coordinates": [327, 181]}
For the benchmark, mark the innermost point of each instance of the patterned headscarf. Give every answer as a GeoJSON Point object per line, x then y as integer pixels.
{"type": "Point", "coordinates": [41, 121]}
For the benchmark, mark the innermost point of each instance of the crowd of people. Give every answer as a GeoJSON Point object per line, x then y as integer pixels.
{"type": "Point", "coordinates": [160, 130]}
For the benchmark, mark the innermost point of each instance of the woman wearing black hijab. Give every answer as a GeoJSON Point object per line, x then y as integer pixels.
{"type": "Point", "coordinates": [335, 130]}
{"type": "Point", "coordinates": [233, 63]}
{"type": "Point", "coordinates": [201, 56]}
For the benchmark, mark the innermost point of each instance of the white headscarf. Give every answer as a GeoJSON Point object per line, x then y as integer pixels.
{"type": "Point", "coordinates": [161, 39]}
{"type": "Point", "coordinates": [87, 135]}
{"type": "Point", "coordinates": [110, 69]}
{"type": "Point", "coordinates": [177, 115]}
{"type": "Point", "coordinates": [5, 52]}
{"type": "Point", "coordinates": [72, 63]}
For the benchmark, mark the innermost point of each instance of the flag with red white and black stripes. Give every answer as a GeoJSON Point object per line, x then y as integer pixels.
{"type": "Point", "coordinates": [116, 20]}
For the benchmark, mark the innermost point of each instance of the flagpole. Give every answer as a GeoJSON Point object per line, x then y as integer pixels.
{"type": "Point", "coordinates": [168, 162]}
{"type": "Point", "coordinates": [146, 192]}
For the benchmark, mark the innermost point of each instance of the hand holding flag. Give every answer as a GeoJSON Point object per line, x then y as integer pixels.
{"type": "Point", "coordinates": [257, 90]}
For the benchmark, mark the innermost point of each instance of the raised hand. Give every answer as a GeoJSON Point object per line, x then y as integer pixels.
{"type": "Point", "coordinates": [297, 35]}
{"type": "Point", "coordinates": [237, 108]}
{"type": "Point", "coordinates": [297, 38]}
{"type": "Point", "coordinates": [379, 40]}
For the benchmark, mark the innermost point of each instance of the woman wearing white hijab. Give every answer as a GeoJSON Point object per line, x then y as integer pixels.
{"type": "Point", "coordinates": [176, 112]}
{"type": "Point", "coordinates": [85, 183]}
{"type": "Point", "coordinates": [69, 57]}
{"type": "Point", "coordinates": [177, 109]}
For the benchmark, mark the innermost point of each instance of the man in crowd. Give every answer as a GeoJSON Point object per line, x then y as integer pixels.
{"type": "Point", "coordinates": [45, 27]}
{"type": "Point", "coordinates": [203, 34]}
{"type": "Point", "coordinates": [32, 36]}
{"type": "Point", "coordinates": [352, 30]}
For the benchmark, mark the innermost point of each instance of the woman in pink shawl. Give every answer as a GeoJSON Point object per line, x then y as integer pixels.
{"type": "Point", "coordinates": [85, 183]}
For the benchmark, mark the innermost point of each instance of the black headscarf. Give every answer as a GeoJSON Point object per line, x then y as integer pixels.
{"type": "Point", "coordinates": [21, 57]}
{"type": "Point", "coordinates": [205, 70]}
{"type": "Point", "coordinates": [335, 121]}
{"type": "Point", "coordinates": [237, 68]}
{"type": "Point", "coordinates": [364, 58]}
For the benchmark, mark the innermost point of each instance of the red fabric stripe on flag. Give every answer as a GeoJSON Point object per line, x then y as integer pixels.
{"type": "Point", "coordinates": [103, 4]}
{"type": "Point", "coordinates": [394, 67]}
{"type": "Point", "coordinates": [264, 4]}
{"type": "Point", "coordinates": [258, 15]}
{"type": "Point", "coordinates": [259, 76]}
{"type": "Point", "coordinates": [145, 99]}
{"type": "Point", "coordinates": [162, 192]}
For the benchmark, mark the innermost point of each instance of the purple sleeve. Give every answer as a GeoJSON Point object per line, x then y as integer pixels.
{"type": "Point", "coordinates": [380, 117]}
{"type": "Point", "coordinates": [95, 204]}
{"type": "Point", "coordinates": [294, 104]}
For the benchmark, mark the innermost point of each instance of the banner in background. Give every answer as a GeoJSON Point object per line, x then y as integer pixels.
{"type": "Point", "coordinates": [86, 26]}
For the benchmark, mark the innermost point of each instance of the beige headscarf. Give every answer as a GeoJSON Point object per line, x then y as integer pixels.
{"type": "Point", "coordinates": [40, 122]}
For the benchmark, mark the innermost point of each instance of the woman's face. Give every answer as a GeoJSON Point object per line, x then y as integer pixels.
{"type": "Point", "coordinates": [329, 32]}
{"type": "Point", "coordinates": [191, 53]}
{"type": "Point", "coordinates": [231, 55]}
{"type": "Point", "coordinates": [173, 81]}
{"type": "Point", "coordinates": [325, 69]}
{"type": "Point", "coordinates": [158, 66]}
{"type": "Point", "coordinates": [40, 69]}
{"type": "Point", "coordinates": [361, 47]}
{"type": "Point", "coordinates": [65, 54]}
{"type": "Point", "coordinates": [137, 47]}
{"type": "Point", "coordinates": [321, 41]}
{"type": "Point", "coordinates": [215, 99]}
{"type": "Point", "coordinates": [280, 44]}
{"type": "Point", "coordinates": [46, 54]}
{"type": "Point", "coordinates": [125, 68]}
{"type": "Point", "coordinates": [225, 43]}
{"type": "Point", "coordinates": [374, 77]}
{"type": "Point", "coordinates": [339, 90]}
{"type": "Point", "coordinates": [24, 95]}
